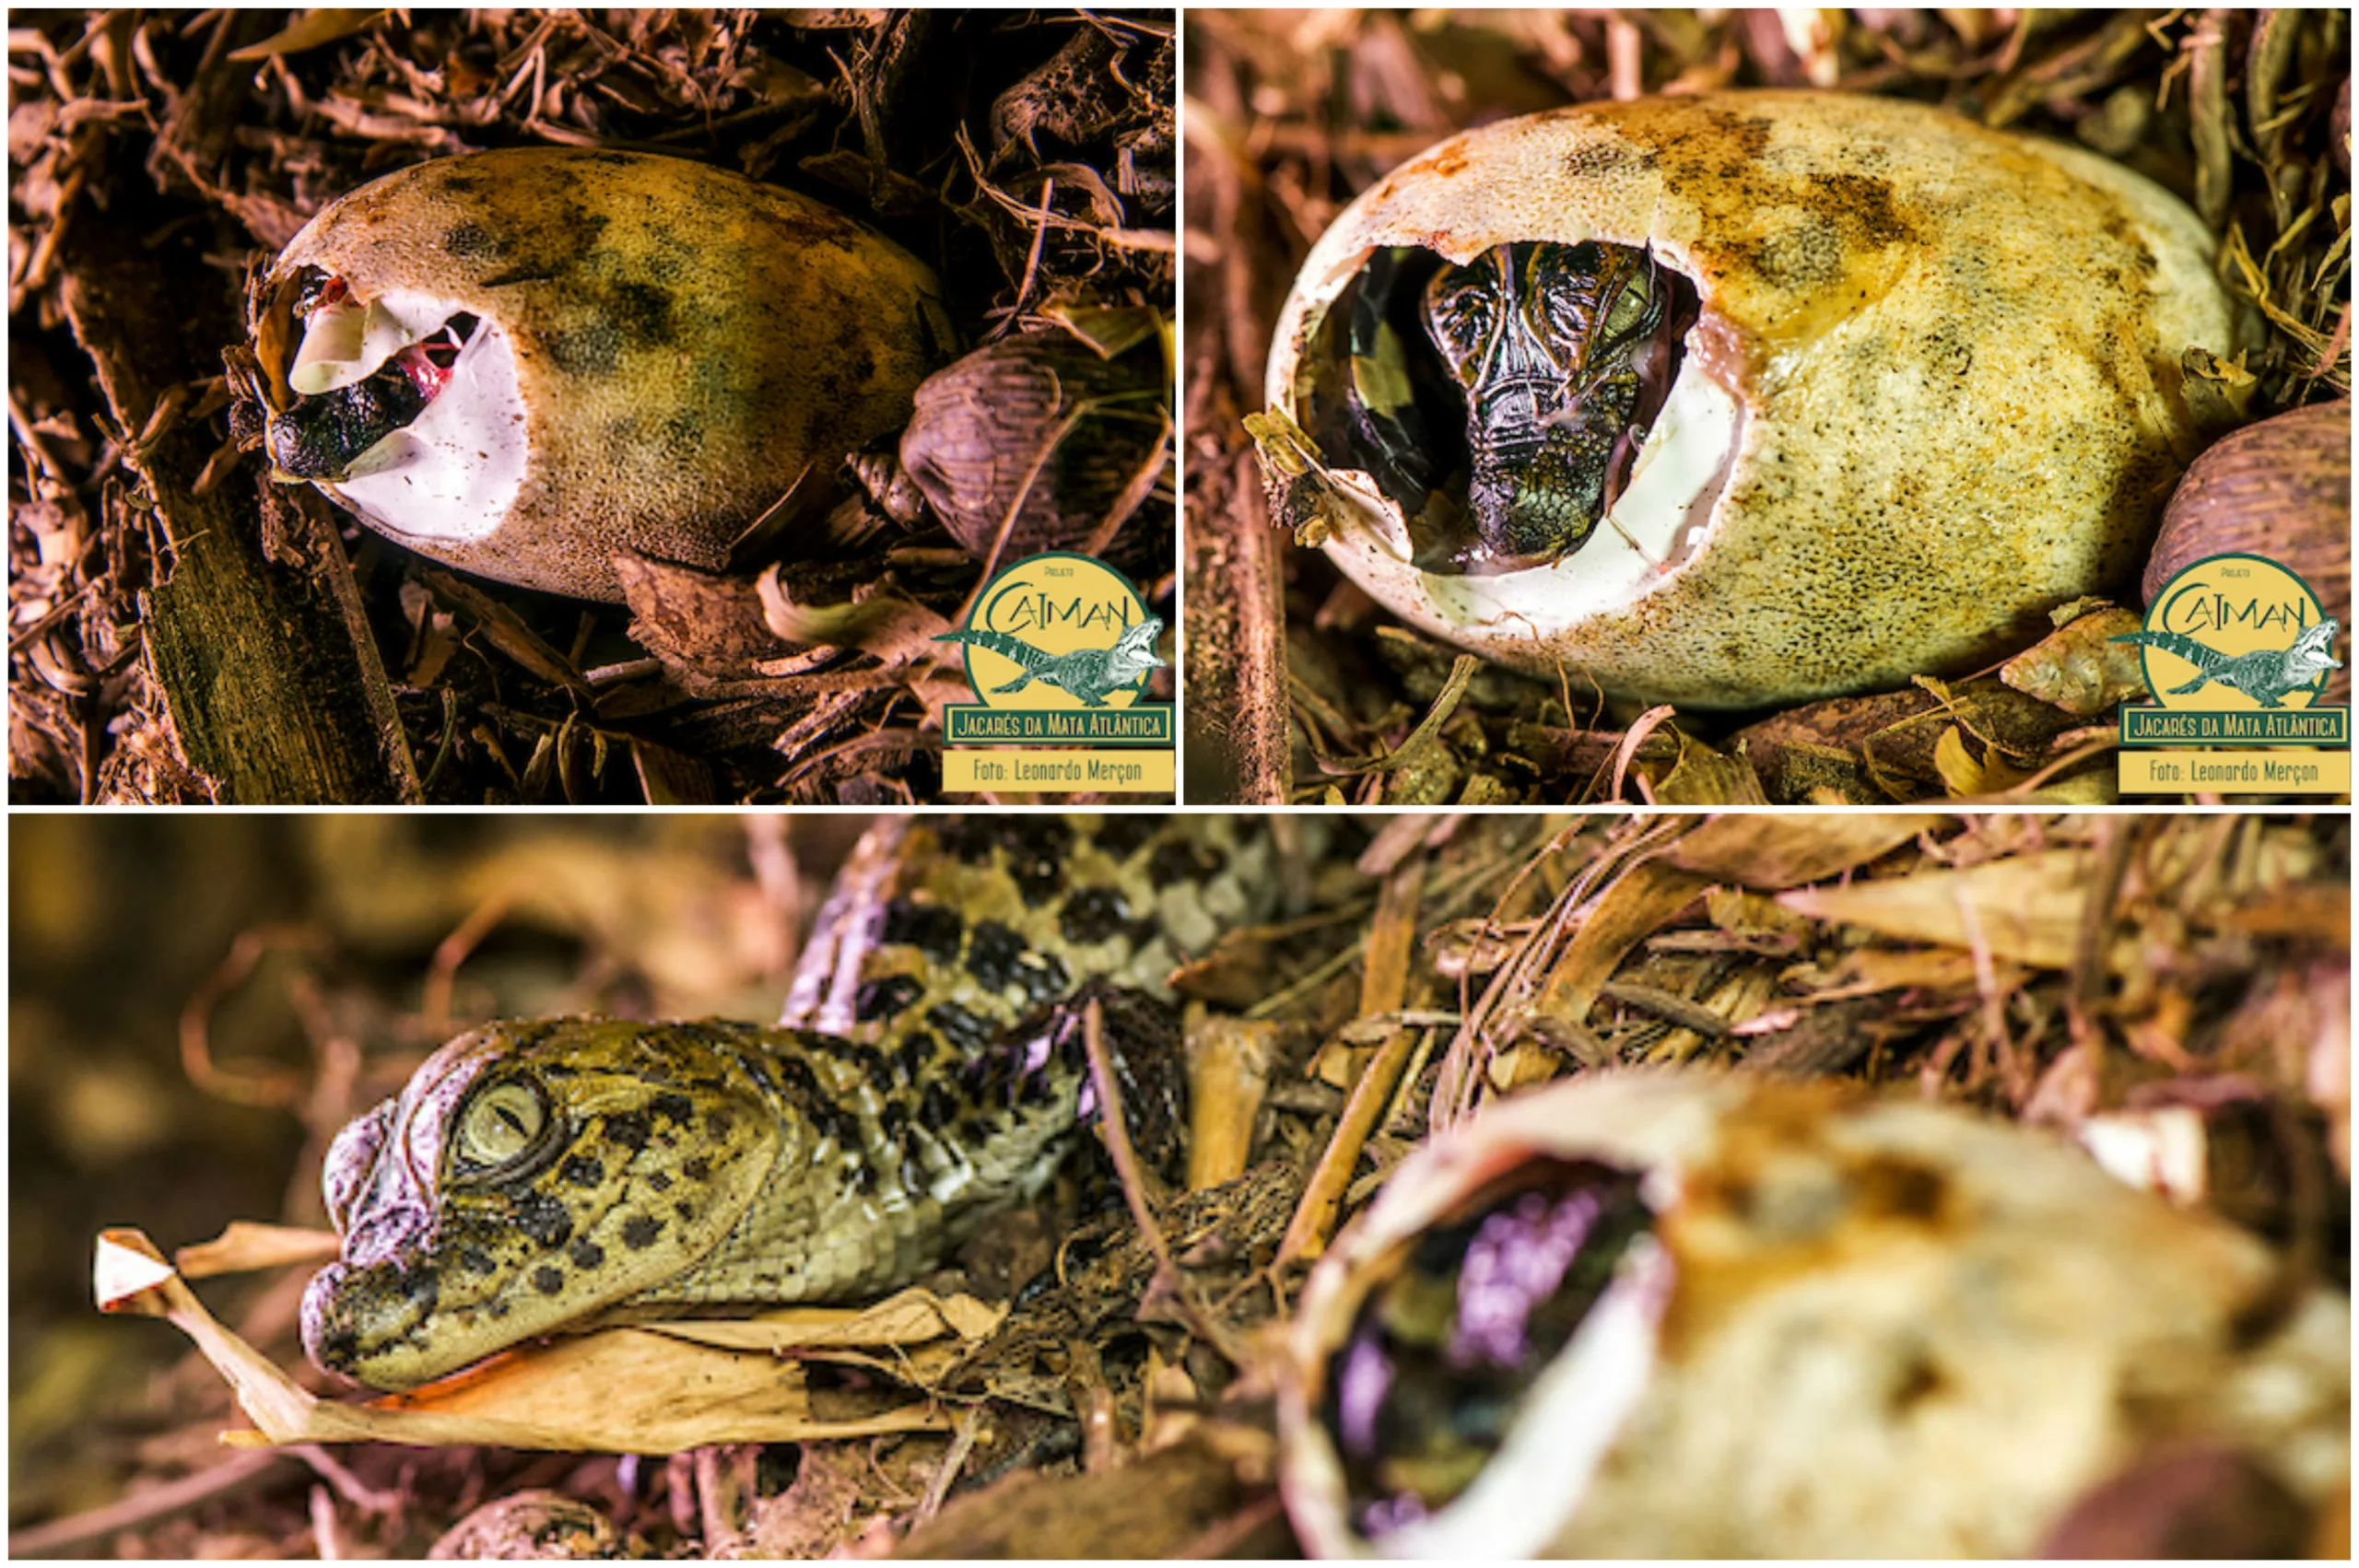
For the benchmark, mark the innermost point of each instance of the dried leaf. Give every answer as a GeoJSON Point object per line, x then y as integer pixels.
{"type": "Point", "coordinates": [703, 625]}
{"type": "Point", "coordinates": [1873, 969]}
{"type": "Point", "coordinates": [912, 1316]}
{"type": "Point", "coordinates": [506, 631]}
{"type": "Point", "coordinates": [2027, 907]}
{"type": "Point", "coordinates": [1638, 904]}
{"type": "Point", "coordinates": [2078, 667]}
{"type": "Point", "coordinates": [634, 1391]}
{"type": "Point", "coordinates": [244, 1244]}
{"type": "Point", "coordinates": [309, 30]}
{"type": "Point", "coordinates": [1779, 851]}
{"type": "Point", "coordinates": [669, 777]}
{"type": "Point", "coordinates": [895, 629]}
{"type": "Point", "coordinates": [1962, 775]}
{"type": "Point", "coordinates": [621, 1390]}
{"type": "Point", "coordinates": [1705, 778]}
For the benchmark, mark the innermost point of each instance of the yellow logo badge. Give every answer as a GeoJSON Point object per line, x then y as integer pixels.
{"type": "Point", "coordinates": [2234, 633]}
{"type": "Point", "coordinates": [2237, 651]}
{"type": "Point", "coordinates": [1060, 649]}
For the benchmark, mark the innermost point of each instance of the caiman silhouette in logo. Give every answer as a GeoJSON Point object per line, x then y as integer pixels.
{"type": "Point", "coordinates": [2266, 675]}
{"type": "Point", "coordinates": [1089, 673]}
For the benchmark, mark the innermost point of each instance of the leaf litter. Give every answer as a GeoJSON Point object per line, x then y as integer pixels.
{"type": "Point", "coordinates": [2171, 992]}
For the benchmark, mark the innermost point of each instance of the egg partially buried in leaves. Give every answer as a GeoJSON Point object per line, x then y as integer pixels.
{"type": "Point", "coordinates": [1743, 399]}
{"type": "Point", "coordinates": [522, 362]}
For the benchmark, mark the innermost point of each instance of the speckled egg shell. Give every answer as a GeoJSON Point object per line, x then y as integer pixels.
{"type": "Point", "coordinates": [1943, 361]}
{"type": "Point", "coordinates": [1866, 1326]}
{"type": "Point", "coordinates": [685, 342]}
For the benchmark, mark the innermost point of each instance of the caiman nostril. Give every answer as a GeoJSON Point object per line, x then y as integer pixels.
{"type": "Point", "coordinates": [352, 1162]}
{"type": "Point", "coordinates": [386, 1233]}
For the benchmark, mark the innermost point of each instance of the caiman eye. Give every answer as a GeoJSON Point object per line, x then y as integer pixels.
{"type": "Point", "coordinates": [501, 1126]}
{"type": "Point", "coordinates": [1629, 310]}
{"type": "Point", "coordinates": [1462, 314]}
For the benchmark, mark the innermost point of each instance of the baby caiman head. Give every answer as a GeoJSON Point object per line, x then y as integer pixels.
{"type": "Point", "coordinates": [1564, 355]}
{"type": "Point", "coordinates": [532, 1175]}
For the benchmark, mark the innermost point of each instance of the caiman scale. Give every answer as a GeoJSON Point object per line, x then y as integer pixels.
{"type": "Point", "coordinates": [547, 1175]}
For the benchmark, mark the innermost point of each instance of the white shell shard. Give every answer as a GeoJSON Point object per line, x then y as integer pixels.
{"type": "Point", "coordinates": [119, 1273]}
{"type": "Point", "coordinates": [331, 355]}
{"type": "Point", "coordinates": [451, 475]}
{"type": "Point", "coordinates": [2163, 1150]}
{"type": "Point", "coordinates": [348, 341]}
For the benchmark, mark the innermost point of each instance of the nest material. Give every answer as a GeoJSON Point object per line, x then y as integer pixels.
{"type": "Point", "coordinates": [1304, 691]}
{"type": "Point", "coordinates": [183, 631]}
{"type": "Point", "coordinates": [2119, 979]}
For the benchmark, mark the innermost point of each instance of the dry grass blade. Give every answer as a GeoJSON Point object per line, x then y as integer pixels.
{"type": "Point", "coordinates": [1383, 989]}
{"type": "Point", "coordinates": [1774, 852]}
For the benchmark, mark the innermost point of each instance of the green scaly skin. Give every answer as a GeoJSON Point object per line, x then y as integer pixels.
{"type": "Point", "coordinates": [546, 1176]}
{"type": "Point", "coordinates": [1563, 354]}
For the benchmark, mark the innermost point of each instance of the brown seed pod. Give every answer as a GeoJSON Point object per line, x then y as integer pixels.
{"type": "Point", "coordinates": [2279, 489]}
{"type": "Point", "coordinates": [1043, 425]}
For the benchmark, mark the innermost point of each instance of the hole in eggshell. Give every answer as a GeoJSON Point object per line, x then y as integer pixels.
{"type": "Point", "coordinates": [1444, 1351]}
{"type": "Point", "coordinates": [1377, 390]}
{"type": "Point", "coordinates": [328, 434]}
{"type": "Point", "coordinates": [405, 407]}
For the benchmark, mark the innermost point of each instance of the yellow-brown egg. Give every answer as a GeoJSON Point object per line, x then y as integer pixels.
{"type": "Point", "coordinates": [1696, 1314]}
{"type": "Point", "coordinates": [1855, 389]}
{"type": "Point", "coordinates": [522, 362]}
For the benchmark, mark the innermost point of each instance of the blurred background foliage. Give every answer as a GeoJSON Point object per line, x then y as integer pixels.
{"type": "Point", "coordinates": [198, 1004]}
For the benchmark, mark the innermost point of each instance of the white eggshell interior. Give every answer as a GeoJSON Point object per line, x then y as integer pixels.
{"type": "Point", "coordinates": [452, 474]}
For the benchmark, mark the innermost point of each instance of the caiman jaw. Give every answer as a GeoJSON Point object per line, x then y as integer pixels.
{"type": "Point", "coordinates": [466, 1229]}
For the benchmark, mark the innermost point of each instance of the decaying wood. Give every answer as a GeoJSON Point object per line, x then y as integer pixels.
{"type": "Point", "coordinates": [273, 695]}
{"type": "Point", "coordinates": [1237, 709]}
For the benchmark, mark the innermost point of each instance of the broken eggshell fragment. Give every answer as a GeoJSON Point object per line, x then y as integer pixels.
{"type": "Point", "coordinates": [1676, 1314]}
{"type": "Point", "coordinates": [523, 362]}
{"type": "Point", "coordinates": [1839, 389]}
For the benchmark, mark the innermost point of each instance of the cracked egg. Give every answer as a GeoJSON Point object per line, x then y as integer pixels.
{"type": "Point", "coordinates": [1746, 398]}
{"type": "Point", "coordinates": [522, 362]}
{"type": "Point", "coordinates": [1682, 1314]}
